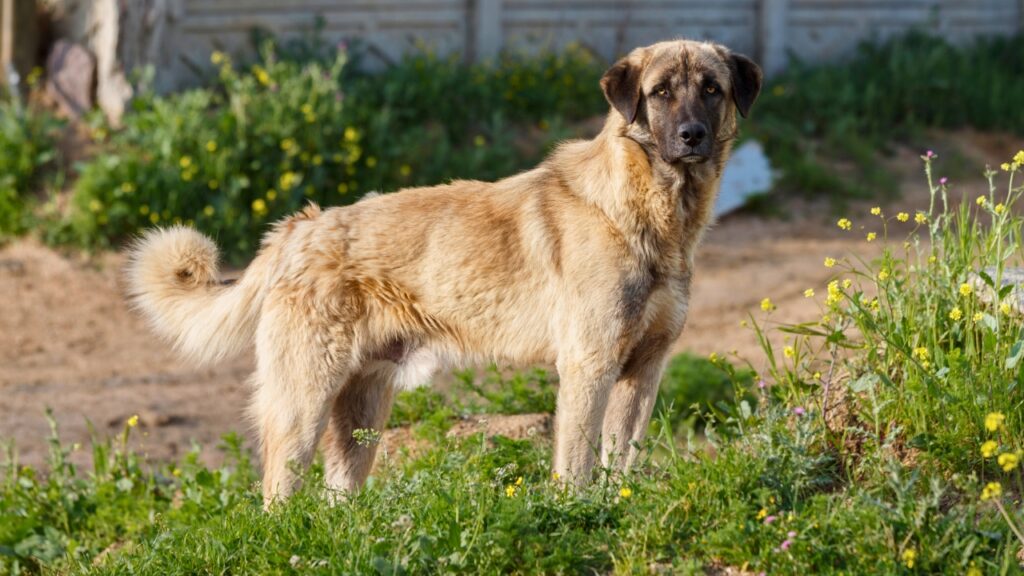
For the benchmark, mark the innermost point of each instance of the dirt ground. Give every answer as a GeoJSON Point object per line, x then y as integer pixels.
{"type": "Point", "coordinates": [69, 343]}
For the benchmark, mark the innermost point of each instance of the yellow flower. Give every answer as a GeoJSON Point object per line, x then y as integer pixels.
{"type": "Point", "coordinates": [874, 305]}
{"type": "Point", "coordinates": [1018, 158]}
{"type": "Point", "coordinates": [519, 481]}
{"type": "Point", "coordinates": [211, 146]}
{"type": "Point", "coordinates": [1005, 167]}
{"type": "Point", "coordinates": [371, 161]}
{"type": "Point", "coordinates": [909, 555]}
{"type": "Point", "coordinates": [809, 293]}
{"type": "Point", "coordinates": [1004, 308]}
{"type": "Point", "coordinates": [261, 75]}
{"type": "Point", "coordinates": [932, 259]}
{"type": "Point", "coordinates": [978, 317]}
{"type": "Point", "coordinates": [956, 314]}
{"type": "Point", "coordinates": [307, 109]}
{"type": "Point", "coordinates": [920, 218]}
{"type": "Point", "coordinates": [834, 294]}
{"type": "Point", "coordinates": [1008, 461]}
{"type": "Point", "coordinates": [343, 188]}
{"type": "Point", "coordinates": [974, 570]}
{"type": "Point", "coordinates": [259, 207]}
{"type": "Point", "coordinates": [991, 490]}
{"type": "Point", "coordinates": [903, 217]}
{"type": "Point", "coordinates": [921, 353]}
{"type": "Point", "coordinates": [208, 211]}
{"type": "Point", "coordinates": [217, 57]}
{"type": "Point", "coordinates": [1000, 208]}
{"type": "Point", "coordinates": [625, 492]}
{"type": "Point", "coordinates": [816, 376]}
{"type": "Point", "coordinates": [271, 194]}
{"type": "Point", "coordinates": [988, 448]}
{"type": "Point", "coordinates": [872, 236]}
{"type": "Point", "coordinates": [127, 187]}
{"type": "Point", "coordinates": [844, 224]}
{"type": "Point", "coordinates": [883, 274]}
{"type": "Point", "coordinates": [713, 357]}
{"type": "Point", "coordinates": [762, 513]}
{"type": "Point", "coordinates": [876, 211]}
{"type": "Point", "coordinates": [133, 421]}
{"type": "Point", "coordinates": [318, 160]}
{"type": "Point", "coordinates": [95, 205]}
{"type": "Point", "coordinates": [767, 305]}
{"type": "Point", "coordinates": [981, 201]}
{"type": "Point", "coordinates": [743, 323]}
{"type": "Point", "coordinates": [185, 161]}
{"type": "Point", "coordinates": [994, 421]}
{"type": "Point", "coordinates": [966, 289]}
{"type": "Point", "coordinates": [829, 262]}
{"type": "Point", "coordinates": [351, 134]}
{"type": "Point", "coordinates": [510, 491]}
{"type": "Point", "coordinates": [555, 476]}
{"type": "Point", "coordinates": [289, 180]}
{"type": "Point", "coordinates": [789, 351]}
{"type": "Point", "coordinates": [176, 472]}
{"type": "Point", "coordinates": [143, 209]}
{"type": "Point", "coordinates": [847, 283]}
{"type": "Point", "coordinates": [287, 144]}
{"type": "Point", "coordinates": [154, 217]}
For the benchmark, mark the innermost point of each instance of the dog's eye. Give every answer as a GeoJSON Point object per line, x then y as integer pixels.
{"type": "Point", "coordinates": [711, 89]}
{"type": "Point", "coordinates": [661, 92]}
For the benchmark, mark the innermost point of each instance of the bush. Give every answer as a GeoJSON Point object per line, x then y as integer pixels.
{"type": "Point", "coordinates": [268, 139]}
{"type": "Point", "coordinates": [27, 147]}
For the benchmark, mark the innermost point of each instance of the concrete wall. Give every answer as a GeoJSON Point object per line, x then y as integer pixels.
{"type": "Point", "coordinates": [769, 30]}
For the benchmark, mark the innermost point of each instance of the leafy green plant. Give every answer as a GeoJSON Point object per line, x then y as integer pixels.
{"type": "Point", "coordinates": [27, 148]}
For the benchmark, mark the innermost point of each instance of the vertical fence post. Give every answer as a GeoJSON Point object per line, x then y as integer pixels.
{"type": "Point", "coordinates": [773, 20]}
{"type": "Point", "coordinates": [487, 33]}
{"type": "Point", "coordinates": [6, 39]}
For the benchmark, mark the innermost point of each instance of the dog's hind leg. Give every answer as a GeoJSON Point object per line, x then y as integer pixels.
{"type": "Point", "coordinates": [297, 376]}
{"type": "Point", "coordinates": [364, 402]}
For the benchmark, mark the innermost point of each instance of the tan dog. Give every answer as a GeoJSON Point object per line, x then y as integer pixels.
{"type": "Point", "coordinates": [584, 262]}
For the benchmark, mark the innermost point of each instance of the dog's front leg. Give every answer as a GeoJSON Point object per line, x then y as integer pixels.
{"type": "Point", "coordinates": [582, 399]}
{"type": "Point", "coordinates": [631, 402]}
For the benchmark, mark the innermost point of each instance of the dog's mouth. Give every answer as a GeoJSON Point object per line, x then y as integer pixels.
{"type": "Point", "coordinates": [693, 158]}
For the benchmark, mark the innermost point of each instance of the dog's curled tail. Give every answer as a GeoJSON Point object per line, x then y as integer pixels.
{"type": "Point", "coordinates": [173, 280]}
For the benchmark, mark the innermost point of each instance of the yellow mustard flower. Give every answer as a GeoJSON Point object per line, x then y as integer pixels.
{"type": "Point", "coordinates": [978, 316]}
{"type": "Point", "coordinates": [981, 201]}
{"type": "Point", "coordinates": [555, 476]}
{"type": "Point", "coordinates": [208, 211]}
{"type": "Point", "coordinates": [343, 188]}
{"type": "Point", "coordinates": [127, 187]}
{"type": "Point", "coordinates": [154, 217]}
{"type": "Point", "coordinates": [871, 236]}
{"type": "Point", "coordinates": [991, 490]}
{"type": "Point", "coordinates": [989, 448]}
{"type": "Point", "coordinates": [844, 224]}
{"type": "Point", "coordinates": [1000, 208]}
{"type": "Point", "coordinates": [909, 556]}
{"type": "Point", "coordinates": [932, 259]}
{"type": "Point", "coordinates": [133, 421]}
{"type": "Point", "coordinates": [789, 351]}
{"type": "Point", "coordinates": [185, 161]}
{"type": "Point", "coordinates": [921, 353]}
{"type": "Point", "coordinates": [994, 421]}
{"type": "Point", "coordinates": [809, 293]}
{"type": "Point", "coordinates": [317, 160]}
{"type": "Point", "coordinates": [625, 492]}
{"type": "Point", "coordinates": [271, 194]}
{"type": "Point", "coordinates": [876, 211]}
{"type": "Point", "coordinates": [1008, 461]}
{"type": "Point", "coordinates": [956, 314]}
{"type": "Point", "coordinates": [883, 274]}
{"type": "Point", "coordinates": [767, 305]}
{"type": "Point", "coordinates": [351, 134]}
{"type": "Point", "coordinates": [920, 218]}
{"type": "Point", "coordinates": [287, 144]}
{"type": "Point", "coordinates": [1004, 308]}
{"type": "Point", "coordinates": [829, 262]}
{"type": "Point", "coordinates": [966, 289]}
{"type": "Point", "coordinates": [510, 491]}
{"type": "Point", "coordinates": [211, 146]}
{"type": "Point", "coordinates": [1005, 166]}
{"type": "Point", "coordinates": [903, 217]}
{"type": "Point", "coordinates": [259, 207]}
{"type": "Point", "coordinates": [519, 481]}
{"type": "Point", "coordinates": [217, 58]}
{"type": "Point", "coordinates": [847, 283]}
{"type": "Point", "coordinates": [762, 513]}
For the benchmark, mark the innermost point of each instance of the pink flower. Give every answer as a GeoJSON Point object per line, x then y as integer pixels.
{"type": "Point", "coordinates": [943, 181]}
{"type": "Point", "coordinates": [791, 534]}
{"type": "Point", "coordinates": [770, 519]}
{"type": "Point", "coordinates": [762, 384]}
{"type": "Point", "coordinates": [929, 154]}
{"type": "Point", "coordinates": [785, 544]}
{"type": "Point", "coordinates": [799, 411]}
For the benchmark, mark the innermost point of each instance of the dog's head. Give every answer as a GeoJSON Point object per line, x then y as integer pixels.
{"type": "Point", "coordinates": [679, 99]}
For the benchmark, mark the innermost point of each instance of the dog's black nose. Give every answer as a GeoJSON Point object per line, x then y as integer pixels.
{"type": "Point", "coordinates": [692, 133]}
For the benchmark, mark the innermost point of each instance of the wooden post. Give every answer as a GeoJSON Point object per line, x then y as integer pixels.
{"type": "Point", "coordinates": [6, 39]}
{"type": "Point", "coordinates": [773, 19]}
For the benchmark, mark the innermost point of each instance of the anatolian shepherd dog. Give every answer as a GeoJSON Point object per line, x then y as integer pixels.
{"type": "Point", "coordinates": [584, 262]}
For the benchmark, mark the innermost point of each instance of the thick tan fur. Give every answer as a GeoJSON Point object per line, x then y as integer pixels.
{"type": "Point", "coordinates": [584, 262]}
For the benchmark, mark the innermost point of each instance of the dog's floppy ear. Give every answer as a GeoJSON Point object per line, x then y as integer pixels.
{"type": "Point", "coordinates": [746, 82]}
{"type": "Point", "coordinates": [621, 85]}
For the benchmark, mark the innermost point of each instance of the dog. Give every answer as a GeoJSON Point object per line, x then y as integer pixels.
{"type": "Point", "coordinates": [584, 262]}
